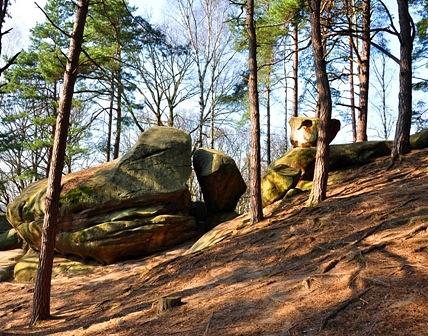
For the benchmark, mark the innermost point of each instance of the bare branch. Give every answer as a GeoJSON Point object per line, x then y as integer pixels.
{"type": "Point", "coordinates": [53, 24]}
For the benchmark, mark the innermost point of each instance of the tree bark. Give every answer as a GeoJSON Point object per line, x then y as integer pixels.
{"type": "Point", "coordinates": [110, 120]}
{"type": "Point", "coordinates": [268, 117]}
{"type": "Point", "coordinates": [119, 85]}
{"type": "Point", "coordinates": [296, 69]}
{"type": "Point", "coordinates": [407, 32]}
{"type": "Point", "coordinates": [319, 186]}
{"type": "Point", "coordinates": [41, 299]}
{"type": "Point", "coordinates": [256, 211]}
{"type": "Point", "coordinates": [364, 72]}
{"type": "Point", "coordinates": [351, 27]}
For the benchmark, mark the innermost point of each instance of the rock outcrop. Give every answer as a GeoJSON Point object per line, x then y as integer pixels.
{"type": "Point", "coordinates": [134, 205]}
{"type": "Point", "coordinates": [303, 160]}
{"type": "Point", "coordinates": [220, 180]}
{"type": "Point", "coordinates": [277, 181]}
{"type": "Point", "coordinates": [304, 131]}
{"type": "Point", "coordinates": [25, 269]}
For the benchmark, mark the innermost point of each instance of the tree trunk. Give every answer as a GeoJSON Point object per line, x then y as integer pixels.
{"type": "Point", "coordinates": [284, 67]}
{"type": "Point", "coordinates": [268, 126]}
{"type": "Point", "coordinates": [296, 69]}
{"type": "Point", "coordinates": [110, 120]}
{"type": "Point", "coordinates": [319, 186]}
{"type": "Point", "coordinates": [351, 26]}
{"type": "Point", "coordinates": [407, 32]}
{"type": "Point", "coordinates": [118, 135]}
{"type": "Point", "coordinates": [364, 73]}
{"type": "Point", "coordinates": [41, 299]}
{"type": "Point", "coordinates": [55, 113]}
{"type": "Point", "coordinates": [352, 96]}
{"type": "Point", "coordinates": [256, 211]}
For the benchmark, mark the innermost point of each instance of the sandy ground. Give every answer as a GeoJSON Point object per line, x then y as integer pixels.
{"type": "Point", "coordinates": [355, 265]}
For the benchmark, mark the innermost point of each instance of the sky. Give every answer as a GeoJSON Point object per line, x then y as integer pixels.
{"type": "Point", "coordinates": [25, 14]}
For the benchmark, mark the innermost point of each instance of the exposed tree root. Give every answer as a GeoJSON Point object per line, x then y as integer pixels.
{"type": "Point", "coordinates": [341, 307]}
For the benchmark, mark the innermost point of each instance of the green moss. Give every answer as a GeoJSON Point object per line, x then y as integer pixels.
{"type": "Point", "coordinates": [77, 195]}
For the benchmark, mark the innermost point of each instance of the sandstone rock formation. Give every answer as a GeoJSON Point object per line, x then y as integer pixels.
{"type": "Point", "coordinates": [135, 205]}
{"type": "Point", "coordinates": [220, 180]}
{"type": "Point", "coordinates": [303, 160]}
{"type": "Point", "coordinates": [304, 131]}
{"type": "Point", "coordinates": [9, 238]}
{"type": "Point", "coordinates": [277, 181]}
{"type": "Point", "coordinates": [25, 269]}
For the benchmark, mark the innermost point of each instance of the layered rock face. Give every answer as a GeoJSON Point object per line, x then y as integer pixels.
{"type": "Point", "coordinates": [298, 165]}
{"type": "Point", "coordinates": [134, 205]}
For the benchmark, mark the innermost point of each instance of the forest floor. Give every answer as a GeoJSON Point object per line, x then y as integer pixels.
{"type": "Point", "coordinates": [355, 265]}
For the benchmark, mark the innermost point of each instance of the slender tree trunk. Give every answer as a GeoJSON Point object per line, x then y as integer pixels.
{"type": "Point", "coordinates": [116, 146]}
{"type": "Point", "coordinates": [385, 123]}
{"type": "Point", "coordinates": [55, 113]}
{"type": "Point", "coordinates": [364, 72]}
{"type": "Point", "coordinates": [256, 211]}
{"type": "Point", "coordinates": [352, 96]}
{"type": "Point", "coordinates": [351, 72]}
{"type": "Point", "coordinates": [285, 106]}
{"type": "Point", "coordinates": [41, 300]}
{"type": "Point", "coordinates": [171, 114]}
{"type": "Point", "coordinates": [407, 31]}
{"type": "Point", "coordinates": [296, 70]}
{"type": "Point", "coordinates": [202, 106]}
{"type": "Point", "coordinates": [268, 127]}
{"type": "Point", "coordinates": [110, 120]}
{"type": "Point", "coordinates": [319, 186]}
{"type": "Point", "coordinates": [212, 117]}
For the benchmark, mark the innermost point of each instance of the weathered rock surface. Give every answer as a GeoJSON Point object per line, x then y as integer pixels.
{"type": "Point", "coordinates": [304, 131]}
{"type": "Point", "coordinates": [9, 238]}
{"type": "Point", "coordinates": [25, 269]}
{"type": "Point", "coordinates": [419, 140]}
{"type": "Point", "coordinates": [8, 261]}
{"type": "Point", "coordinates": [277, 181]}
{"type": "Point", "coordinates": [134, 205]}
{"type": "Point", "coordinates": [303, 159]}
{"type": "Point", "coordinates": [220, 180]}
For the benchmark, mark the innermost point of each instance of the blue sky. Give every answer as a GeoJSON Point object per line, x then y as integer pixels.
{"type": "Point", "coordinates": [25, 14]}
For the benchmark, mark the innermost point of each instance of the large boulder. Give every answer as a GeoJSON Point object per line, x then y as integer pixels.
{"type": "Point", "coordinates": [282, 173]}
{"type": "Point", "coordinates": [277, 181]}
{"type": "Point", "coordinates": [134, 205]}
{"type": "Point", "coordinates": [220, 180]}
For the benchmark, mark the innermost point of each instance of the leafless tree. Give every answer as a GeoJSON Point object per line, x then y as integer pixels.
{"type": "Point", "coordinates": [207, 31]}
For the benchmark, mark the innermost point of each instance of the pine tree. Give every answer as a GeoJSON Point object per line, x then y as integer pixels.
{"type": "Point", "coordinates": [41, 301]}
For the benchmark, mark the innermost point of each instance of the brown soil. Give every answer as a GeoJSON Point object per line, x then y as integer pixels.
{"type": "Point", "coordinates": [355, 265]}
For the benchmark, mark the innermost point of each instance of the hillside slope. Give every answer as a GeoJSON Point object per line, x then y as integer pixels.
{"type": "Point", "coordinates": [355, 265]}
